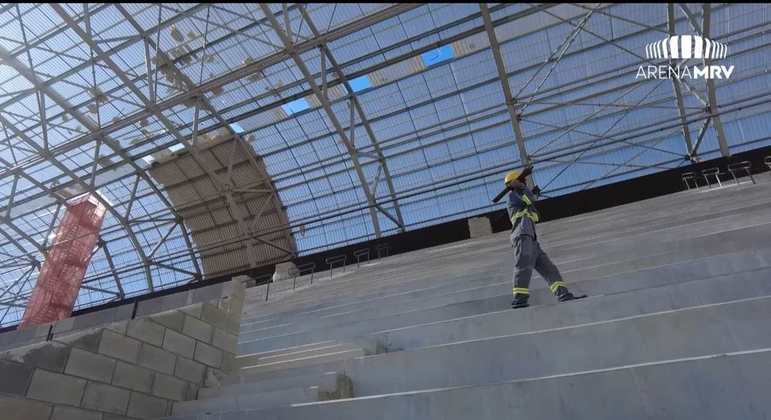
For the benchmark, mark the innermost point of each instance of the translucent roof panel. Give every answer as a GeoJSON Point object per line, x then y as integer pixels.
{"type": "Point", "coordinates": [370, 119]}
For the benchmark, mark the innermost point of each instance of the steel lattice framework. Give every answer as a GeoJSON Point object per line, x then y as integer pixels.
{"type": "Point", "coordinates": [361, 120]}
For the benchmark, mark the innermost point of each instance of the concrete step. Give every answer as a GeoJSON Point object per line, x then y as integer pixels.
{"type": "Point", "coordinates": [252, 384]}
{"type": "Point", "coordinates": [300, 361]}
{"type": "Point", "coordinates": [715, 386]}
{"type": "Point", "coordinates": [241, 402]}
{"type": "Point", "coordinates": [720, 242]}
{"type": "Point", "coordinates": [689, 215]}
{"type": "Point", "coordinates": [748, 284]}
{"type": "Point", "coordinates": [294, 353]}
{"type": "Point", "coordinates": [701, 330]}
{"type": "Point", "coordinates": [497, 296]}
{"type": "Point", "coordinates": [595, 309]}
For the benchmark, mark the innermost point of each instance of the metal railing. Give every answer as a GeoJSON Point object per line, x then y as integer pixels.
{"type": "Point", "coordinates": [304, 269]}
{"type": "Point", "coordinates": [713, 172]}
{"type": "Point", "coordinates": [713, 176]}
{"type": "Point", "coordinates": [382, 250]}
{"type": "Point", "coordinates": [745, 166]}
{"type": "Point", "coordinates": [336, 259]}
{"type": "Point", "coordinates": [334, 262]}
{"type": "Point", "coordinates": [687, 178]}
{"type": "Point", "coordinates": [359, 254]}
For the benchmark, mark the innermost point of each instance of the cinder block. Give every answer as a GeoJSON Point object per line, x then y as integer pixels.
{"type": "Point", "coordinates": [197, 329]}
{"type": "Point", "coordinates": [64, 325]}
{"type": "Point", "coordinates": [192, 392]}
{"type": "Point", "coordinates": [107, 398]}
{"type": "Point", "coordinates": [12, 339]}
{"type": "Point", "coordinates": [86, 340]}
{"type": "Point", "coordinates": [108, 416]}
{"type": "Point", "coordinates": [144, 406]}
{"type": "Point", "coordinates": [178, 343]}
{"type": "Point", "coordinates": [14, 377]}
{"type": "Point", "coordinates": [205, 294]}
{"type": "Point", "coordinates": [144, 329]}
{"type": "Point", "coordinates": [133, 377]}
{"type": "Point", "coordinates": [170, 319]}
{"type": "Point", "coordinates": [47, 355]}
{"type": "Point", "coordinates": [103, 317]}
{"type": "Point", "coordinates": [90, 366]}
{"type": "Point", "coordinates": [23, 409]}
{"type": "Point", "coordinates": [42, 330]}
{"type": "Point", "coordinates": [225, 341]}
{"type": "Point", "coordinates": [118, 327]}
{"type": "Point", "coordinates": [119, 346]}
{"type": "Point", "coordinates": [69, 413]}
{"type": "Point", "coordinates": [208, 355]}
{"type": "Point", "coordinates": [189, 370]}
{"type": "Point", "coordinates": [229, 363]}
{"type": "Point", "coordinates": [215, 316]}
{"type": "Point", "coordinates": [193, 310]}
{"type": "Point", "coordinates": [56, 388]}
{"type": "Point", "coordinates": [157, 359]}
{"type": "Point", "coordinates": [170, 387]}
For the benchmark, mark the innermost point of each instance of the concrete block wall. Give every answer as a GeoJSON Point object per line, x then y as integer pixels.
{"type": "Point", "coordinates": [223, 292]}
{"type": "Point", "coordinates": [130, 369]}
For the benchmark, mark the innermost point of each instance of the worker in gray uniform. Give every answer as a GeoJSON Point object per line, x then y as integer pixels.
{"type": "Point", "coordinates": [528, 254]}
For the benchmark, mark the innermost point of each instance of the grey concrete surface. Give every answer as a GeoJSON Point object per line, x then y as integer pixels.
{"type": "Point", "coordinates": [710, 387]}
{"type": "Point", "coordinates": [705, 268]}
{"type": "Point", "coordinates": [675, 326]}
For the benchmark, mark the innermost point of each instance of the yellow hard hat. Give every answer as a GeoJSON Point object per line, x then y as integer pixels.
{"type": "Point", "coordinates": [511, 176]}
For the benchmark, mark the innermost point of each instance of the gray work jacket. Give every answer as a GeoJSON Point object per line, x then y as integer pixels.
{"type": "Point", "coordinates": [522, 213]}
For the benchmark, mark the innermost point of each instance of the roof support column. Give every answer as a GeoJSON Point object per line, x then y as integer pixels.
{"type": "Point", "coordinates": [511, 102]}
{"type": "Point", "coordinates": [711, 94]}
{"type": "Point", "coordinates": [676, 87]}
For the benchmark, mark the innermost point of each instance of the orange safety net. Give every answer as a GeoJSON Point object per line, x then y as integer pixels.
{"type": "Point", "coordinates": [65, 265]}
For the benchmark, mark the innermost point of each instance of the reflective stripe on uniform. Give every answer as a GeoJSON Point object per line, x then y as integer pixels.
{"type": "Point", "coordinates": [557, 284]}
{"type": "Point", "coordinates": [524, 213]}
{"type": "Point", "coordinates": [521, 290]}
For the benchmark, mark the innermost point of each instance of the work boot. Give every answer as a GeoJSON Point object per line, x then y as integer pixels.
{"type": "Point", "coordinates": [520, 301]}
{"type": "Point", "coordinates": [566, 296]}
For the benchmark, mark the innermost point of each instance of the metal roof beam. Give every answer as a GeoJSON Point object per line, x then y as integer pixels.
{"type": "Point", "coordinates": [237, 75]}
{"type": "Point", "coordinates": [579, 84]}
{"type": "Point", "coordinates": [325, 51]}
{"type": "Point", "coordinates": [511, 102]}
{"type": "Point", "coordinates": [711, 92]}
{"type": "Point", "coordinates": [292, 51]}
{"type": "Point", "coordinates": [676, 86]}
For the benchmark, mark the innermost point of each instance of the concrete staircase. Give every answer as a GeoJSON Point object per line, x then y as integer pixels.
{"type": "Point", "coordinates": [676, 326]}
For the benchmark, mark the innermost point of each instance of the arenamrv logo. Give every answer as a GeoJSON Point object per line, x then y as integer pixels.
{"type": "Point", "coordinates": [685, 47]}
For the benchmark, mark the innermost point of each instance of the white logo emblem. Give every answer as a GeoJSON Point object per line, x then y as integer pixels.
{"type": "Point", "coordinates": [686, 46]}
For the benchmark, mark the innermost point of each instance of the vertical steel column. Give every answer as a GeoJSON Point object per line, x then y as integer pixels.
{"type": "Point", "coordinates": [511, 102]}
{"type": "Point", "coordinates": [711, 94]}
{"type": "Point", "coordinates": [676, 85]}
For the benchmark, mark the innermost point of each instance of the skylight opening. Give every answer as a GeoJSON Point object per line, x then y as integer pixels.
{"type": "Point", "coordinates": [237, 128]}
{"type": "Point", "coordinates": [360, 83]}
{"type": "Point", "coordinates": [437, 55]}
{"type": "Point", "coordinates": [296, 106]}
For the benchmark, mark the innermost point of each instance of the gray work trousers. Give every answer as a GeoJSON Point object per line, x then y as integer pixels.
{"type": "Point", "coordinates": [528, 255]}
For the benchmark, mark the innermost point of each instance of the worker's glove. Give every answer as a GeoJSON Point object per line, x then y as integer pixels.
{"type": "Point", "coordinates": [537, 190]}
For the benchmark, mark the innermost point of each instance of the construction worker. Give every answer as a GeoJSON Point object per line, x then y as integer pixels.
{"type": "Point", "coordinates": [528, 254]}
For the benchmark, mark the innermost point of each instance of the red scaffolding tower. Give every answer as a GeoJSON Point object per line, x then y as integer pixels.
{"type": "Point", "coordinates": [65, 265]}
